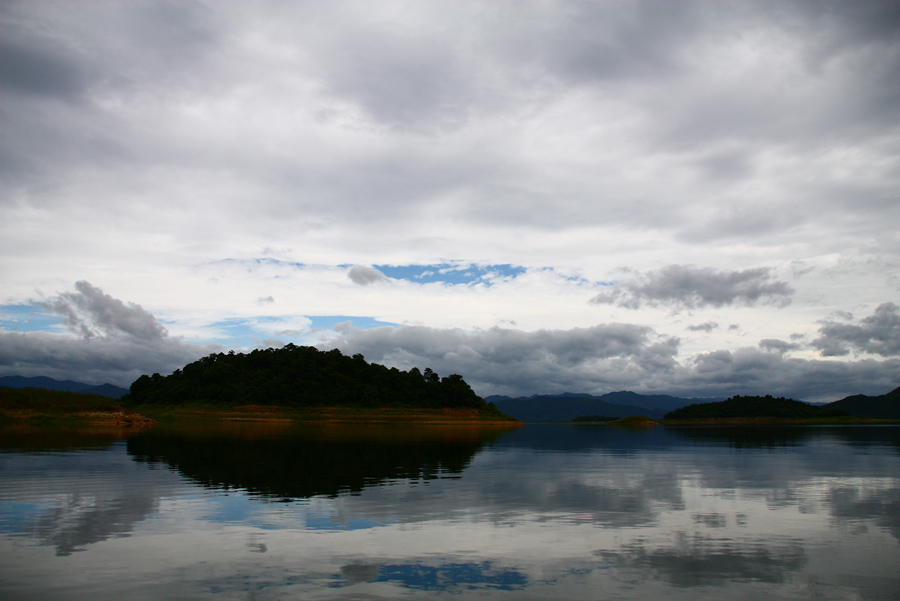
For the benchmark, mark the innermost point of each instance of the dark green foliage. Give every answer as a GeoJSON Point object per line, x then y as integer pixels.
{"type": "Point", "coordinates": [301, 376]}
{"type": "Point", "coordinates": [754, 406]}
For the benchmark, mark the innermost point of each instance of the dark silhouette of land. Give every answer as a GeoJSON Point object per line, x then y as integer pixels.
{"type": "Point", "coordinates": [885, 406]}
{"type": "Point", "coordinates": [313, 382]}
{"type": "Point", "coordinates": [755, 407]}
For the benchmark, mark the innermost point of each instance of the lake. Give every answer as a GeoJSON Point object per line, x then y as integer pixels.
{"type": "Point", "coordinates": [259, 510]}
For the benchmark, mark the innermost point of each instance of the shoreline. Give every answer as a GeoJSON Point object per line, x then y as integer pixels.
{"type": "Point", "coordinates": [347, 415]}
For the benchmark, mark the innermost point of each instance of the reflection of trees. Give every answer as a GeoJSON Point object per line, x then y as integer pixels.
{"type": "Point", "coordinates": [31, 438]}
{"type": "Point", "coordinates": [310, 462]}
{"type": "Point", "coordinates": [697, 561]}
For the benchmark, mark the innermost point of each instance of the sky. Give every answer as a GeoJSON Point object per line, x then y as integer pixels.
{"type": "Point", "coordinates": [670, 197]}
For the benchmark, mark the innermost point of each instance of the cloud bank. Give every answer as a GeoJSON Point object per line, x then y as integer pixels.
{"type": "Point", "coordinates": [108, 341]}
{"type": "Point", "coordinates": [116, 341]}
{"type": "Point", "coordinates": [682, 286]}
{"type": "Point", "coordinates": [878, 334]}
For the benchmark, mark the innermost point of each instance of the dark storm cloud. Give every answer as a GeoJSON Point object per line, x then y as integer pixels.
{"type": "Point", "coordinates": [755, 371]}
{"type": "Point", "coordinates": [688, 287]}
{"type": "Point", "coordinates": [878, 334]}
{"type": "Point", "coordinates": [115, 342]}
{"type": "Point", "coordinates": [364, 276]}
{"type": "Point", "coordinates": [39, 71]}
{"type": "Point", "coordinates": [117, 360]}
{"type": "Point", "coordinates": [89, 312]}
{"type": "Point", "coordinates": [512, 360]}
{"type": "Point", "coordinates": [612, 357]}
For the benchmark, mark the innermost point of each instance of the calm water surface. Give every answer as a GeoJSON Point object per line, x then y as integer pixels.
{"type": "Point", "coordinates": [269, 511]}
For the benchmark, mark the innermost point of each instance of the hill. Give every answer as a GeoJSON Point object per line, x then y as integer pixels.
{"type": "Point", "coordinates": [755, 407]}
{"type": "Point", "coordinates": [107, 390]}
{"type": "Point", "coordinates": [301, 377]}
{"type": "Point", "coordinates": [568, 406]}
{"type": "Point", "coordinates": [886, 406]}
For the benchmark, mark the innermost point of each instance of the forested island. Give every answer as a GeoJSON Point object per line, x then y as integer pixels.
{"type": "Point", "coordinates": [755, 408]}
{"type": "Point", "coordinates": [305, 379]}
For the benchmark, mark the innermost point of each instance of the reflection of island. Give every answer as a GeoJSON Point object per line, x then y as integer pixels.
{"type": "Point", "coordinates": [754, 437]}
{"type": "Point", "coordinates": [30, 438]}
{"type": "Point", "coordinates": [305, 462]}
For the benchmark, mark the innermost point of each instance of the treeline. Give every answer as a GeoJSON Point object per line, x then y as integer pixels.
{"type": "Point", "coordinates": [301, 376]}
{"type": "Point", "coordinates": [755, 406]}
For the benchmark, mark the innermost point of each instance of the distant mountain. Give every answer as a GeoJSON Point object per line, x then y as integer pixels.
{"type": "Point", "coordinates": [107, 390]}
{"type": "Point", "coordinates": [886, 406]}
{"type": "Point", "coordinates": [567, 406]}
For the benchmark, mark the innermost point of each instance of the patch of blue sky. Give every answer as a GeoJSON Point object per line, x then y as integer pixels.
{"type": "Point", "coordinates": [239, 332]}
{"type": "Point", "coordinates": [230, 508]}
{"type": "Point", "coordinates": [28, 318]}
{"type": "Point", "coordinates": [260, 261]}
{"type": "Point", "coordinates": [359, 322]}
{"type": "Point", "coordinates": [246, 333]}
{"type": "Point", "coordinates": [15, 517]}
{"type": "Point", "coordinates": [323, 522]}
{"type": "Point", "coordinates": [451, 273]}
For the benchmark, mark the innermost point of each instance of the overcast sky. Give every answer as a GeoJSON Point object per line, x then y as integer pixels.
{"type": "Point", "coordinates": [692, 198]}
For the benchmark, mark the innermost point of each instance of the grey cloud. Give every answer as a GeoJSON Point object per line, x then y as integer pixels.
{"type": "Point", "coordinates": [434, 68]}
{"type": "Point", "coordinates": [878, 334]}
{"type": "Point", "coordinates": [510, 360]}
{"type": "Point", "coordinates": [364, 276]}
{"type": "Point", "coordinates": [758, 371]}
{"type": "Point", "coordinates": [90, 312]}
{"type": "Point", "coordinates": [40, 71]}
{"type": "Point", "coordinates": [93, 360]}
{"type": "Point", "coordinates": [611, 357]}
{"type": "Point", "coordinates": [707, 327]}
{"type": "Point", "coordinates": [688, 287]}
{"type": "Point", "coordinates": [265, 300]}
{"type": "Point", "coordinates": [778, 346]}
{"type": "Point", "coordinates": [115, 342]}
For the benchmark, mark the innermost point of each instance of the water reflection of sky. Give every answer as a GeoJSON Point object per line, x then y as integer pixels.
{"type": "Point", "coordinates": [559, 513]}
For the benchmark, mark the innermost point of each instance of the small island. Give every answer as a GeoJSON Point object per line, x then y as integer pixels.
{"type": "Point", "coordinates": [304, 383]}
